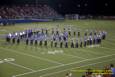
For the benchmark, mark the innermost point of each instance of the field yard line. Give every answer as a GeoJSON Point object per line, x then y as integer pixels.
{"type": "Point", "coordinates": [73, 56]}
{"type": "Point", "coordinates": [40, 58]}
{"type": "Point", "coordinates": [108, 48]}
{"type": "Point", "coordinates": [89, 51]}
{"type": "Point", "coordinates": [20, 66]}
{"type": "Point", "coordinates": [97, 53]}
{"type": "Point", "coordinates": [83, 51]}
{"type": "Point", "coordinates": [74, 68]}
{"type": "Point", "coordinates": [110, 42]}
{"type": "Point", "coordinates": [63, 65]}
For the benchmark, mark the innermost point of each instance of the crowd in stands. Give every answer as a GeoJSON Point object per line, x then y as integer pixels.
{"type": "Point", "coordinates": [107, 71]}
{"type": "Point", "coordinates": [26, 11]}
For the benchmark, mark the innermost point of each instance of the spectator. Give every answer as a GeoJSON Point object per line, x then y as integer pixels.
{"type": "Point", "coordinates": [27, 11]}
{"type": "Point", "coordinates": [112, 70]}
{"type": "Point", "coordinates": [107, 71]}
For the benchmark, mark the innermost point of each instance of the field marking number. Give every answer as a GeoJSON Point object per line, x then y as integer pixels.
{"type": "Point", "coordinates": [6, 60]}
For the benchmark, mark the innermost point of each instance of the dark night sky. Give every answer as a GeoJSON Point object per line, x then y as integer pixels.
{"type": "Point", "coordinates": [95, 7]}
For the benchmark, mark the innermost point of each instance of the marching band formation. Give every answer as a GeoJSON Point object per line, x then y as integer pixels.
{"type": "Point", "coordinates": [57, 37]}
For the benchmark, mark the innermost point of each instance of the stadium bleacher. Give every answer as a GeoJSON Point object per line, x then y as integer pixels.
{"type": "Point", "coordinates": [26, 11]}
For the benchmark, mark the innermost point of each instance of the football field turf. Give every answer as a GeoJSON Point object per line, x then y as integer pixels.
{"type": "Point", "coordinates": [29, 61]}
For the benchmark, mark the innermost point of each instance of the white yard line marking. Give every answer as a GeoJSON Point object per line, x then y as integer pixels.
{"type": "Point", "coordinates": [89, 51]}
{"type": "Point", "coordinates": [73, 56]}
{"type": "Point", "coordinates": [108, 48]}
{"type": "Point", "coordinates": [20, 66]}
{"type": "Point", "coordinates": [37, 57]}
{"type": "Point", "coordinates": [93, 51]}
{"type": "Point", "coordinates": [63, 65]}
{"type": "Point", "coordinates": [109, 42]}
{"type": "Point", "coordinates": [83, 51]}
{"type": "Point", "coordinates": [74, 68]}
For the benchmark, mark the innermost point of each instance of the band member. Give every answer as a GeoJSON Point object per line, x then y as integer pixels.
{"type": "Point", "coordinates": [69, 32]}
{"type": "Point", "coordinates": [40, 43]}
{"type": "Point", "coordinates": [8, 38]}
{"type": "Point", "coordinates": [72, 44]}
{"type": "Point", "coordinates": [90, 40]}
{"type": "Point", "coordinates": [99, 39]}
{"type": "Point", "coordinates": [81, 42]}
{"type": "Point", "coordinates": [74, 33]}
{"type": "Point", "coordinates": [66, 44]}
{"type": "Point", "coordinates": [36, 42]}
{"type": "Point", "coordinates": [76, 45]}
{"type": "Point", "coordinates": [31, 41]}
{"type": "Point", "coordinates": [78, 33]}
{"type": "Point", "coordinates": [95, 39]}
{"type": "Point", "coordinates": [27, 41]}
{"type": "Point", "coordinates": [61, 44]}
{"type": "Point", "coordinates": [55, 44]}
{"type": "Point", "coordinates": [104, 35]}
{"type": "Point", "coordinates": [51, 43]}
{"type": "Point", "coordinates": [85, 41]}
{"type": "Point", "coordinates": [45, 43]}
{"type": "Point", "coordinates": [18, 41]}
{"type": "Point", "coordinates": [13, 40]}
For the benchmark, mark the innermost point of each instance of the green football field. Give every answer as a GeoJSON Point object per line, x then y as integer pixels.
{"type": "Point", "coordinates": [28, 61]}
